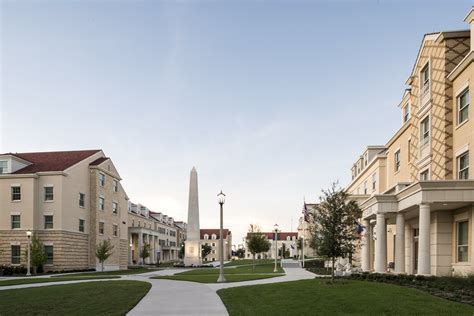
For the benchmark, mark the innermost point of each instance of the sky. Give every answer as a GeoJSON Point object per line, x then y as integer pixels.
{"type": "Point", "coordinates": [272, 101]}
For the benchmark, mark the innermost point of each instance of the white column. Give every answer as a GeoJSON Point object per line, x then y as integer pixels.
{"type": "Point", "coordinates": [381, 244]}
{"type": "Point", "coordinates": [400, 244]}
{"type": "Point", "coordinates": [424, 241]}
{"type": "Point", "coordinates": [365, 259]}
{"type": "Point", "coordinates": [129, 241]}
{"type": "Point", "coordinates": [140, 245]}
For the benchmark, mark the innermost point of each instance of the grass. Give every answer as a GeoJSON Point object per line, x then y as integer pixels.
{"type": "Point", "coordinates": [92, 298]}
{"type": "Point", "coordinates": [247, 262]}
{"type": "Point", "coordinates": [18, 281]}
{"type": "Point", "coordinates": [117, 272]}
{"type": "Point", "coordinates": [344, 297]}
{"type": "Point", "coordinates": [238, 274]}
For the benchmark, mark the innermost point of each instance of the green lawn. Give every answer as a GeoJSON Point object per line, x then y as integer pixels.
{"type": "Point", "coordinates": [317, 297]}
{"type": "Point", "coordinates": [240, 273]}
{"type": "Point", "coordinates": [15, 281]}
{"type": "Point", "coordinates": [117, 272]}
{"type": "Point", "coordinates": [92, 298]}
{"type": "Point", "coordinates": [247, 262]}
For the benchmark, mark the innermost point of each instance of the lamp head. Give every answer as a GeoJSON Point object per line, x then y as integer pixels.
{"type": "Point", "coordinates": [221, 198]}
{"type": "Point", "coordinates": [28, 233]}
{"type": "Point", "coordinates": [275, 227]}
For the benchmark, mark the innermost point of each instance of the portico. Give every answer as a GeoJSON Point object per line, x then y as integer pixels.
{"type": "Point", "coordinates": [425, 218]}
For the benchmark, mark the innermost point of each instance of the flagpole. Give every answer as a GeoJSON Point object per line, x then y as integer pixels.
{"type": "Point", "coordinates": [302, 243]}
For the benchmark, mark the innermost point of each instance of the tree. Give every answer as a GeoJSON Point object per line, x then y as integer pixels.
{"type": "Point", "coordinates": [145, 252]}
{"type": "Point", "coordinates": [336, 218]}
{"type": "Point", "coordinates": [103, 251]}
{"type": "Point", "coordinates": [284, 251]}
{"type": "Point", "coordinates": [181, 251]}
{"type": "Point", "coordinates": [240, 253]}
{"type": "Point", "coordinates": [37, 253]}
{"type": "Point", "coordinates": [257, 243]}
{"type": "Point", "coordinates": [205, 250]}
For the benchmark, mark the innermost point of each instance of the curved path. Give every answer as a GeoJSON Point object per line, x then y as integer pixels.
{"type": "Point", "coordinates": [170, 297]}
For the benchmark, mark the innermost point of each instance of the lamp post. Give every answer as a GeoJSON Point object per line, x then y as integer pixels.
{"type": "Point", "coordinates": [276, 246]}
{"type": "Point", "coordinates": [221, 201]}
{"type": "Point", "coordinates": [28, 269]}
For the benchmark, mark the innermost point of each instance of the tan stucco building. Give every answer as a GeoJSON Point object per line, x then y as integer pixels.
{"type": "Point", "coordinates": [417, 190]}
{"type": "Point", "coordinates": [72, 200]}
{"type": "Point", "coordinates": [212, 238]}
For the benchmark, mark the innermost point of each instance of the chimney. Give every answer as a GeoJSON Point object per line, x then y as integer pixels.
{"type": "Point", "coordinates": [470, 19]}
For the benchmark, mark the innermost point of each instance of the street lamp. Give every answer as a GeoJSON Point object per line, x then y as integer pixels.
{"type": "Point", "coordinates": [221, 201]}
{"type": "Point", "coordinates": [276, 249]}
{"type": "Point", "coordinates": [28, 271]}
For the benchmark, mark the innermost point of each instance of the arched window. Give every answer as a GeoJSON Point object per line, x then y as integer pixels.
{"type": "Point", "coordinates": [206, 236]}
{"type": "Point", "coordinates": [288, 238]}
{"type": "Point", "coordinates": [214, 236]}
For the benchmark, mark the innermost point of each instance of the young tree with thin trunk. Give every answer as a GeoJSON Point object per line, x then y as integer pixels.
{"type": "Point", "coordinates": [145, 252]}
{"type": "Point", "coordinates": [336, 218]}
{"type": "Point", "coordinates": [37, 253]}
{"type": "Point", "coordinates": [257, 243]}
{"type": "Point", "coordinates": [103, 251]}
{"type": "Point", "coordinates": [205, 250]}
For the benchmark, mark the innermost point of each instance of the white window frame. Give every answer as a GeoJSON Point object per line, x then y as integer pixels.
{"type": "Point", "coordinates": [19, 221]}
{"type": "Point", "coordinates": [465, 169]}
{"type": "Point", "coordinates": [406, 112]}
{"type": "Point", "coordinates": [425, 84]}
{"type": "Point", "coordinates": [424, 140]}
{"type": "Point", "coordinates": [427, 171]}
{"type": "Point", "coordinates": [101, 206]}
{"type": "Point", "coordinates": [101, 179]}
{"type": "Point", "coordinates": [115, 230]}
{"type": "Point", "coordinates": [115, 207]}
{"type": "Point", "coordinates": [458, 246]}
{"type": "Point", "coordinates": [46, 262]}
{"type": "Point", "coordinates": [459, 109]}
{"type": "Point", "coordinates": [114, 185]}
{"type": "Point", "coordinates": [82, 198]}
{"type": "Point", "coordinates": [374, 181]}
{"type": "Point", "coordinates": [52, 221]}
{"type": "Point", "coordinates": [103, 227]}
{"type": "Point", "coordinates": [397, 160]}
{"type": "Point", "coordinates": [46, 194]}
{"type": "Point", "coordinates": [83, 221]}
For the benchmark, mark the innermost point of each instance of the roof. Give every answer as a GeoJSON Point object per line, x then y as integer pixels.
{"type": "Point", "coordinates": [281, 235]}
{"type": "Point", "coordinates": [51, 161]}
{"type": "Point", "coordinates": [209, 232]}
{"type": "Point", "coordinates": [98, 161]}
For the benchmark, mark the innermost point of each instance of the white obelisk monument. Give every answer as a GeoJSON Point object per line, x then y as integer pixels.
{"type": "Point", "coordinates": [192, 252]}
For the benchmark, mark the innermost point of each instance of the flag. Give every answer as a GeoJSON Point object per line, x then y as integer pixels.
{"type": "Point", "coordinates": [359, 230]}
{"type": "Point", "coordinates": [306, 213]}
{"type": "Point", "coordinates": [292, 246]}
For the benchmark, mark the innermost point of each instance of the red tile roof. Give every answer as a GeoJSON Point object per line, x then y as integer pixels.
{"type": "Point", "coordinates": [51, 161]}
{"type": "Point", "coordinates": [209, 232]}
{"type": "Point", "coordinates": [281, 235]}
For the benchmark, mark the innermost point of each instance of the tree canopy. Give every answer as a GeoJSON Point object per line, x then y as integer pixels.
{"type": "Point", "coordinates": [103, 251]}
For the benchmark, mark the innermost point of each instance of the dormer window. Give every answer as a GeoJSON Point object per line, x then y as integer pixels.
{"type": "Point", "coordinates": [406, 113]}
{"type": "Point", "coordinates": [206, 236]}
{"type": "Point", "coordinates": [3, 166]}
{"type": "Point", "coordinates": [214, 236]}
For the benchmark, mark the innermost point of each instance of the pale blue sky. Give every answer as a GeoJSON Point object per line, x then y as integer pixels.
{"type": "Point", "coordinates": [271, 101]}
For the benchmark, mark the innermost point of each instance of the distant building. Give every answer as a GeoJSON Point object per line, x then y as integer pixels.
{"type": "Point", "coordinates": [212, 238]}
{"type": "Point", "coordinates": [287, 238]}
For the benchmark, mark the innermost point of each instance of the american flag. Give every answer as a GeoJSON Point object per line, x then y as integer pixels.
{"type": "Point", "coordinates": [360, 230]}
{"type": "Point", "coordinates": [306, 213]}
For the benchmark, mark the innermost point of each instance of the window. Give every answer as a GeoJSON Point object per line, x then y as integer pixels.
{"type": "Point", "coordinates": [425, 175]}
{"type": "Point", "coordinates": [462, 230]}
{"type": "Point", "coordinates": [101, 228]}
{"type": "Point", "coordinates": [115, 230]}
{"type": "Point", "coordinates": [48, 193]}
{"type": "Point", "coordinates": [463, 106]}
{"type": "Point", "coordinates": [48, 222]}
{"type": "Point", "coordinates": [15, 221]}
{"type": "Point", "coordinates": [49, 254]}
{"type": "Point", "coordinates": [115, 207]}
{"type": "Point", "coordinates": [101, 203]}
{"type": "Point", "coordinates": [101, 179]}
{"type": "Point", "coordinates": [365, 187]}
{"type": "Point", "coordinates": [425, 78]}
{"type": "Point", "coordinates": [406, 113]}
{"type": "Point", "coordinates": [82, 200]}
{"type": "Point", "coordinates": [3, 166]}
{"type": "Point", "coordinates": [425, 131]}
{"type": "Point", "coordinates": [214, 236]}
{"type": "Point", "coordinates": [16, 254]}
{"type": "Point", "coordinates": [81, 225]}
{"type": "Point", "coordinates": [463, 166]}
{"type": "Point", "coordinates": [115, 185]}
{"type": "Point", "coordinates": [213, 252]}
{"type": "Point", "coordinates": [213, 244]}
{"type": "Point", "coordinates": [366, 159]}
{"type": "Point", "coordinates": [16, 193]}
{"type": "Point", "coordinates": [397, 160]}
{"type": "Point", "coordinates": [374, 181]}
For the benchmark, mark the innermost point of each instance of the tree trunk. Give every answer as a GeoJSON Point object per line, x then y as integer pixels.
{"type": "Point", "coordinates": [332, 272]}
{"type": "Point", "coordinates": [102, 266]}
{"type": "Point", "coordinates": [253, 266]}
